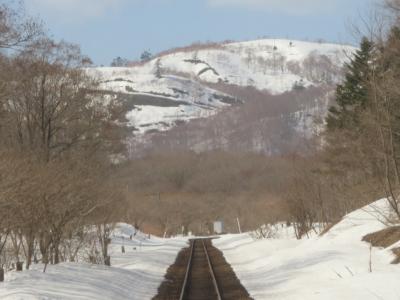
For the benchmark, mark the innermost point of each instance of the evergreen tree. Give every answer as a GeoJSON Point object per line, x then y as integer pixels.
{"type": "Point", "coordinates": [119, 62]}
{"type": "Point", "coordinates": [352, 95]}
{"type": "Point", "coordinates": [146, 56]}
{"type": "Point", "coordinates": [158, 69]}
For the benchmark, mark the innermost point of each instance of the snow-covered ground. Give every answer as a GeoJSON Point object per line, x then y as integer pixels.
{"type": "Point", "coordinates": [333, 266]}
{"type": "Point", "coordinates": [133, 275]}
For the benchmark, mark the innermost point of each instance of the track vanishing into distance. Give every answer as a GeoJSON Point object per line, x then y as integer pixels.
{"type": "Point", "coordinates": [200, 272]}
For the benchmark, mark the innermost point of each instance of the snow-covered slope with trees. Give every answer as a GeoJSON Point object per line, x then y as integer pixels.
{"type": "Point", "coordinates": [273, 65]}
{"type": "Point", "coordinates": [135, 274]}
{"type": "Point", "coordinates": [158, 103]}
{"type": "Point", "coordinates": [336, 265]}
{"type": "Point", "coordinates": [176, 86]}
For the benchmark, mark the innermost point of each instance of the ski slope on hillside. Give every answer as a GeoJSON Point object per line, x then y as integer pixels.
{"type": "Point", "coordinates": [334, 266]}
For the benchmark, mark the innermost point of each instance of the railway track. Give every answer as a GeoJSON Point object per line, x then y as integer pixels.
{"type": "Point", "coordinates": [201, 273]}
{"type": "Point", "coordinates": [200, 281]}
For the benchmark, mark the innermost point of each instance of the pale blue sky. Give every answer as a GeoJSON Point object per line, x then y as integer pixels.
{"type": "Point", "coordinates": [109, 28]}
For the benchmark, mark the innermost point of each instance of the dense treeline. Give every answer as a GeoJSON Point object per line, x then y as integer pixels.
{"type": "Point", "coordinates": [187, 191]}
{"type": "Point", "coordinates": [57, 139]}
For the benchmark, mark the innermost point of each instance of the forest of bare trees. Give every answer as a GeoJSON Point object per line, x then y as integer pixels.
{"type": "Point", "coordinates": [56, 144]}
{"type": "Point", "coordinates": [185, 191]}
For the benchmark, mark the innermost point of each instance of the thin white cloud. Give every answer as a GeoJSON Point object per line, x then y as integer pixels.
{"type": "Point", "coordinates": [73, 9]}
{"type": "Point", "coordinates": [285, 6]}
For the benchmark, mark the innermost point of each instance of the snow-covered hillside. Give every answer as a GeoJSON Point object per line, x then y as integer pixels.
{"type": "Point", "coordinates": [174, 87]}
{"type": "Point", "coordinates": [159, 103]}
{"type": "Point", "coordinates": [334, 266]}
{"type": "Point", "coordinates": [273, 65]}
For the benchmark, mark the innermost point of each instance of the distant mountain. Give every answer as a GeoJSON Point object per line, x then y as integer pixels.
{"type": "Point", "coordinates": [205, 81]}
{"type": "Point", "coordinates": [273, 65]}
{"type": "Point", "coordinates": [159, 103]}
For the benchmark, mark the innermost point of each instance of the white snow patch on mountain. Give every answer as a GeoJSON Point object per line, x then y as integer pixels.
{"type": "Point", "coordinates": [272, 64]}
{"type": "Point", "coordinates": [174, 85]}
{"type": "Point", "coordinates": [159, 102]}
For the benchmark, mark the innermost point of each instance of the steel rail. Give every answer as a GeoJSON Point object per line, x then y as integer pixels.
{"type": "Point", "coordinates": [212, 272]}
{"type": "Point", "coordinates": [188, 269]}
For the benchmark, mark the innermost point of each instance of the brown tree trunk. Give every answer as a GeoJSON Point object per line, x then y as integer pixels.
{"type": "Point", "coordinates": [56, 249]}
{"type": "Point", "coordinates": [20, 266]}
{"type": "Point", "coordinates": [30, 249]}
{"type": "Point", "coordinates": [44, 249]}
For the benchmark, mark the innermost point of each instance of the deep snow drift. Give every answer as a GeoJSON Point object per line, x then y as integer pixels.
{"type": "Point", "coordinates": [133, 275]}
{"type": "Point", "coordinates": [334, 266]}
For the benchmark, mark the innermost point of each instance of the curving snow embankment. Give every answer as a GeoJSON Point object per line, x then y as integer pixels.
{"type": "Point", "coordinates": [334, 266]}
